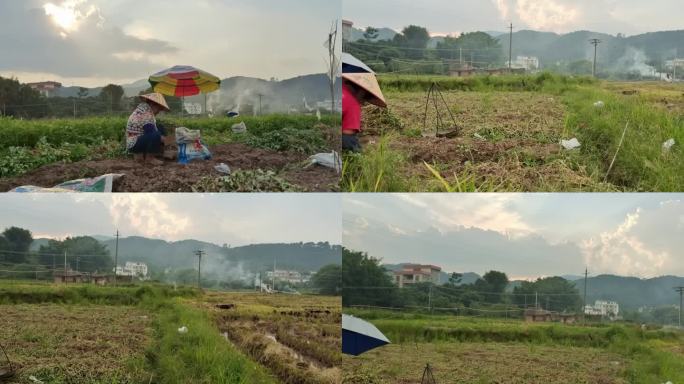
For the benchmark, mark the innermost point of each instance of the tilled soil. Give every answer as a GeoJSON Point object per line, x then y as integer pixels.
{"type": "Point", "coordinates": [174, 177]}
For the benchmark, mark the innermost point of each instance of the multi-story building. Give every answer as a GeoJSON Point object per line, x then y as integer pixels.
{"type": "Point", "coordinates": [293, 277]}
{"type": "Point", "coordinates": [415, 273]}
{"type": "Point", "coordinates": [134, 269]}
{"type": "Point", "coordinates": [603, 308]}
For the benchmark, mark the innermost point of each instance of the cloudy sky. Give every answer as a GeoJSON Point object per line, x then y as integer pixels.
{"type": "Point", "coordinates": [235, 219]}
{"type": "Point", "coordinates": [455, 16]}
{"type": "Point", "coordinates": [95, 42]}
{"type": "Point", "coordinates": [524, 235]}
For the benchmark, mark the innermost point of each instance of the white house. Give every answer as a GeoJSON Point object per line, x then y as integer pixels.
{"type": "Point", "coordinates": [415, 273]}
{"type": "Point", "coordinates": [284, 275]}
{"type": "Point", "coordinates": [135, 269]}
{"type": "Point", "coordinates": [609, 309]}
{"type": "Point", "coordinates": [529, 63]}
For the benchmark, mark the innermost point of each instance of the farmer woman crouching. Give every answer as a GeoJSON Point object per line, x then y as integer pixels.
{"type": "Point", "coordinates": [144, 137]}
{"type": "Point", "coordinates": [357, 89]}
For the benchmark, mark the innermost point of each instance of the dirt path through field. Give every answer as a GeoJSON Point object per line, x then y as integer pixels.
{"type": "Point", "coordinates": [173, 177]}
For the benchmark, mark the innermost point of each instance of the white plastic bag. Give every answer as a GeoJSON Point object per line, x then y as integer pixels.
{"type": "Point", "coordinates": [190, 146]}
{"type": "Point", "coordinates": [239, 128]}
{"type": "Point", "coordinates": [329, 160]}
{"type": "Point", "coordinates": [599, 104]}
{"type": "Point", "coordinates": [571, 144]}
{"type": "Point", "coordinates": [668, 145]}
{"type": "Point", "coordinates": [183, 330]}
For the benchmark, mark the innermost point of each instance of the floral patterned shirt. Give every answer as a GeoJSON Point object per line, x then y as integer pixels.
{"type": "Point", "coordinates": [142, 120]}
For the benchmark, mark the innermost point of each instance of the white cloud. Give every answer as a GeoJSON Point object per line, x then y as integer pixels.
{"type": "Point", "coordinates": [550, 15]}
{"type": "Point", "coordinates": [147, 215]}
{"type": "Point", "coordinates": [493, 212]}
{"type": "Point", "coordinates": [646, 243]}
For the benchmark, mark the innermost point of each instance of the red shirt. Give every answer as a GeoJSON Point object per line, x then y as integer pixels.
{"type": "Point", "coordinates": [351, 110]}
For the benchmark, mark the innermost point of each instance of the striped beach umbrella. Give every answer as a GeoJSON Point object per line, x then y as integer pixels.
{"type": "Point", "coordinates": [183, 80]}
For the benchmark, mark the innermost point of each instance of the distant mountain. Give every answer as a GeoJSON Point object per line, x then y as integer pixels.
{"type": "Point", "coordinates": [466, 278]}
{"type": "Point", "coordinates": [632, 292]}
{"type": "Point", "coordinates": [572, 277]}
{"type": "Point", "coordinates": [639, 53]}
{"type": "Point", "coordinates": [237, 92]}
{"type": "Point", "coordinates": [181, 254]}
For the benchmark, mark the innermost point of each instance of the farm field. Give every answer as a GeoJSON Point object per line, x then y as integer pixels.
{"type": "Point", "coordinates": [86, 334]}
{"type": "Point", "coordinates": [479, 350]}
{"type": "Point", "coordinates": [509, 134]}
{"type": "Point", "coordinates": [271, 156]}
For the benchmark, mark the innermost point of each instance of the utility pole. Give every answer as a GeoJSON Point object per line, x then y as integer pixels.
{"type": "Point", "coordinates": [460, 56]}
{"type": "Point", "coordinates": [273, 276]}
{"type": "Point", "coordinates": [681, 301]}
{"type": "Point", "coordinates": [536, 300]}
{"type": "Point", "coordinates": [65, 269]}
{"type": "Point", "coordinates": [116, 255]}
{"type": "Point", "coordinates": [510, 49]}
{"type": "Point", "coordinates": [584, 306]}
{"type": "Point", "coordinates": [260, 106]}
{"type": "Point", "coordinates": [674, 67]}
{"type": "Point", "coordinates": [199, 254]}
{"type": "Point", "coordinates": [77, 260]}
{"type": "Point", "coordinates": [595, 43]}
{"type": "Point", "coordinates": [430, 298]}
{"type": "Point", "coordinates": [74, 108]}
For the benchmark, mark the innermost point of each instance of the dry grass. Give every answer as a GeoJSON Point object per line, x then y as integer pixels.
{"type": "Point", "coordinates": [508, 141]}
{"type": "Point", "coordinates": [76, 344]}
{"type": "Point", "coordinates": [297, 337]}
{"type": "Point", "coordinates": [484, 363]}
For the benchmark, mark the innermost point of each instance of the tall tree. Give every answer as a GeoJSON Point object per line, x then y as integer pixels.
{"type": "Point", "coordinates": [414, 38]}
{"type": "Point", "coordinates": [328, 280]}
{"type": "Point", "coordinates": [17, 242]}
{"type": "Point", "coordinates": [85, 253]}
{"type": "Point", "coordinates": [371, 33]}
{"type": "Point", "coordinates": [365, 281]}
{"type": "Point", "coordinates": [112, 94]}
{"type": "Point", "coordinates": [552, 293]}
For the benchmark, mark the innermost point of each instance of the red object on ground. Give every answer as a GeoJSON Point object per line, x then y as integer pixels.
{"type": "Point", "coordinates": [351, 111]}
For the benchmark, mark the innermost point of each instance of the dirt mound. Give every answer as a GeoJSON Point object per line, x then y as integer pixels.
{"type": "Point", "coordinates": [174, 177]}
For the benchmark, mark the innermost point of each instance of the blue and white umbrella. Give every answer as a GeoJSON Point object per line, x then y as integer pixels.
{"type": "Point", "coordinates": [351, 64]}
{"type": "Point", "coordinates": [359, 336]}
{"type": "Point", "coordinates": [357, 72]}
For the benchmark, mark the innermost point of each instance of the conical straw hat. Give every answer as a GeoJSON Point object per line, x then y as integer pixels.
{"type": "Point", "coordinates": [156, 98]}
{"type": "Point", "coordinates": [368, 82]}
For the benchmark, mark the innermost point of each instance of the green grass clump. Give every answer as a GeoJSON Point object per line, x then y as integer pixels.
{"type": "Point", "coordinates": [540, 82]}
{"type": "Point", "coordinates": [88, 294]}
{"type": "Point", "coordinates": [200, 355]}
{"type": "Point", "coordinates": [374, 170]}
{"type": "Point", "coordinates": [641, 163]}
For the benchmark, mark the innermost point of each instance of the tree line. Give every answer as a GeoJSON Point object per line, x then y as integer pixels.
{"type": "Point", "coordinates": [21, 101]}
{"type": "Point", "coordinates": [17, 260]}
{"type": "Point", "coordinates": [367, 283]}
{"type": "Point", "coordinates": [412, 51]}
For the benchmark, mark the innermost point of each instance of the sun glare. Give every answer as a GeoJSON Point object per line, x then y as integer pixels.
{"type": "Point", "coordinates": [68, 15]}
{"type": "Point", "coordinates": [64, 16]}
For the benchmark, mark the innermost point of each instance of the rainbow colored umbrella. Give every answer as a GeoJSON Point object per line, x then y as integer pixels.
{"type": "Point", "coordinates": [183, 80]}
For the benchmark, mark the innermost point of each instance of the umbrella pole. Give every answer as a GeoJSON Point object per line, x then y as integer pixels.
{"type": "Point", "coordinates": [206, 113]}
{"type": "Point", "coordinates": [182, 105]}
